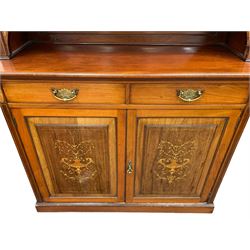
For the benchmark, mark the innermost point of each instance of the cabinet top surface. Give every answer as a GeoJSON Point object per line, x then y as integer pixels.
{"type": "Point", "coordinates": [124, 61]}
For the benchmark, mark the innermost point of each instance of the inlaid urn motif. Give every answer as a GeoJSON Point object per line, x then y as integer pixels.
{"type": "Point", "coordinates": [76, 161]}
{"type": "Point", "coordinates": [173, 160]}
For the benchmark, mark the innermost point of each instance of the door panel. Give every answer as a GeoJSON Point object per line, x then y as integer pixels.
{"type": "Point", "coordinates": [76, 155]}
{"type": "Point", "coordinates": [174, 151]}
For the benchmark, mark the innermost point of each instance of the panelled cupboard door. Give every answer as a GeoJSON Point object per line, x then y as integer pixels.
{"type": "Point", "coordinates": [75, 155]}
{"type": "Point", "coordinates": [175, 155]}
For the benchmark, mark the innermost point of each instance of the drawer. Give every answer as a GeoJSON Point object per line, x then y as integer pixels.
{"type": "Point", "coordinates": [204, 92]}
{"type": "Point", "coordinates": [41, 92]}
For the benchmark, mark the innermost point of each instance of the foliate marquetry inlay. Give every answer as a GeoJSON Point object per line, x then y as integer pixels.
{"type": "Point", "coordinates": [76, 160]}
{"type": "Point", "coordinates": [173, 160]}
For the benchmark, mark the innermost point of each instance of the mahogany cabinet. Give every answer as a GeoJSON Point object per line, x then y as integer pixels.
{"type": "Point", "coordinates": [124, 121]}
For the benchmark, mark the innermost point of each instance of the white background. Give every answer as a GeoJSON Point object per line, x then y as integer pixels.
{"type": "Point", "coordinates": [21, 227]}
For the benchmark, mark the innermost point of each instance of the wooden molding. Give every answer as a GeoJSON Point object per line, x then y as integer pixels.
{"type": "Point", "coordinates": [2, 99]}
{"type": "Point", "coordinates": [1, 96]}
{"type": "Point", "coordinates": [128, 207]}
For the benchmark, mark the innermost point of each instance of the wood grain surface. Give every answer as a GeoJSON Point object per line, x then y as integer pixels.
{"type": "Point", "coordinates": [40, 60]}
{"type": "Point", "coordinates": [216, 92]}
{"type": "Point", "coordinates": [40, 92]}
{"type": "Point", "coordinates": [126, 207]}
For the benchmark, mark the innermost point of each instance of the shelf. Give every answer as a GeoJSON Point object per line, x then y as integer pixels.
{"type": "Point", "coordinates": [124, 61]}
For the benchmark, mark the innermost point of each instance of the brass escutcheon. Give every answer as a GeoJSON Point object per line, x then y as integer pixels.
{"type": "Point", "coordinates": [130, 168]}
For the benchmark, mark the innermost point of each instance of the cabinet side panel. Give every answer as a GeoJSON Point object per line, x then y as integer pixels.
{"type": "Point", "coordinates": [238, 132]}
{"type": "Point", "coordinates": [18, 142]}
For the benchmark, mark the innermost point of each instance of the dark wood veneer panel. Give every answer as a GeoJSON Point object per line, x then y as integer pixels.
{"type": "Point", "coordinates": [77, 157]}
{"type": "Point", "coordinates": [239, 43]}
{"type": "Point", "coordinates": [174, 154]}
{"type": "Point", "coordinates": [170, 38]}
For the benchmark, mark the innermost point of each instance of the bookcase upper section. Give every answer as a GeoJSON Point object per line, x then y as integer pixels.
{"type": "Point", "coordinates": [237, 42]}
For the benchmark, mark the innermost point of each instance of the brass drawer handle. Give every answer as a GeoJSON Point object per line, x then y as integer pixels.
{"type": "Point", "coordinates": [65, 94]}
{"type": "Point", "coordinates": [189, 95]}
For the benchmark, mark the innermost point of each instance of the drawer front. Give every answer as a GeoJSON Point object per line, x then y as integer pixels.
{"type": "Point", "coordinates": [41, 92]}
{"type": "Point", "coordinates": [201, 93]}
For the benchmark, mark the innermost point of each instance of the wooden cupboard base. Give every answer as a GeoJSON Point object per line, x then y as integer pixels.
{"type": "Point", "coordinates": [126, 207]}
{"type": "Point", "coordinates": [106, 120]}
